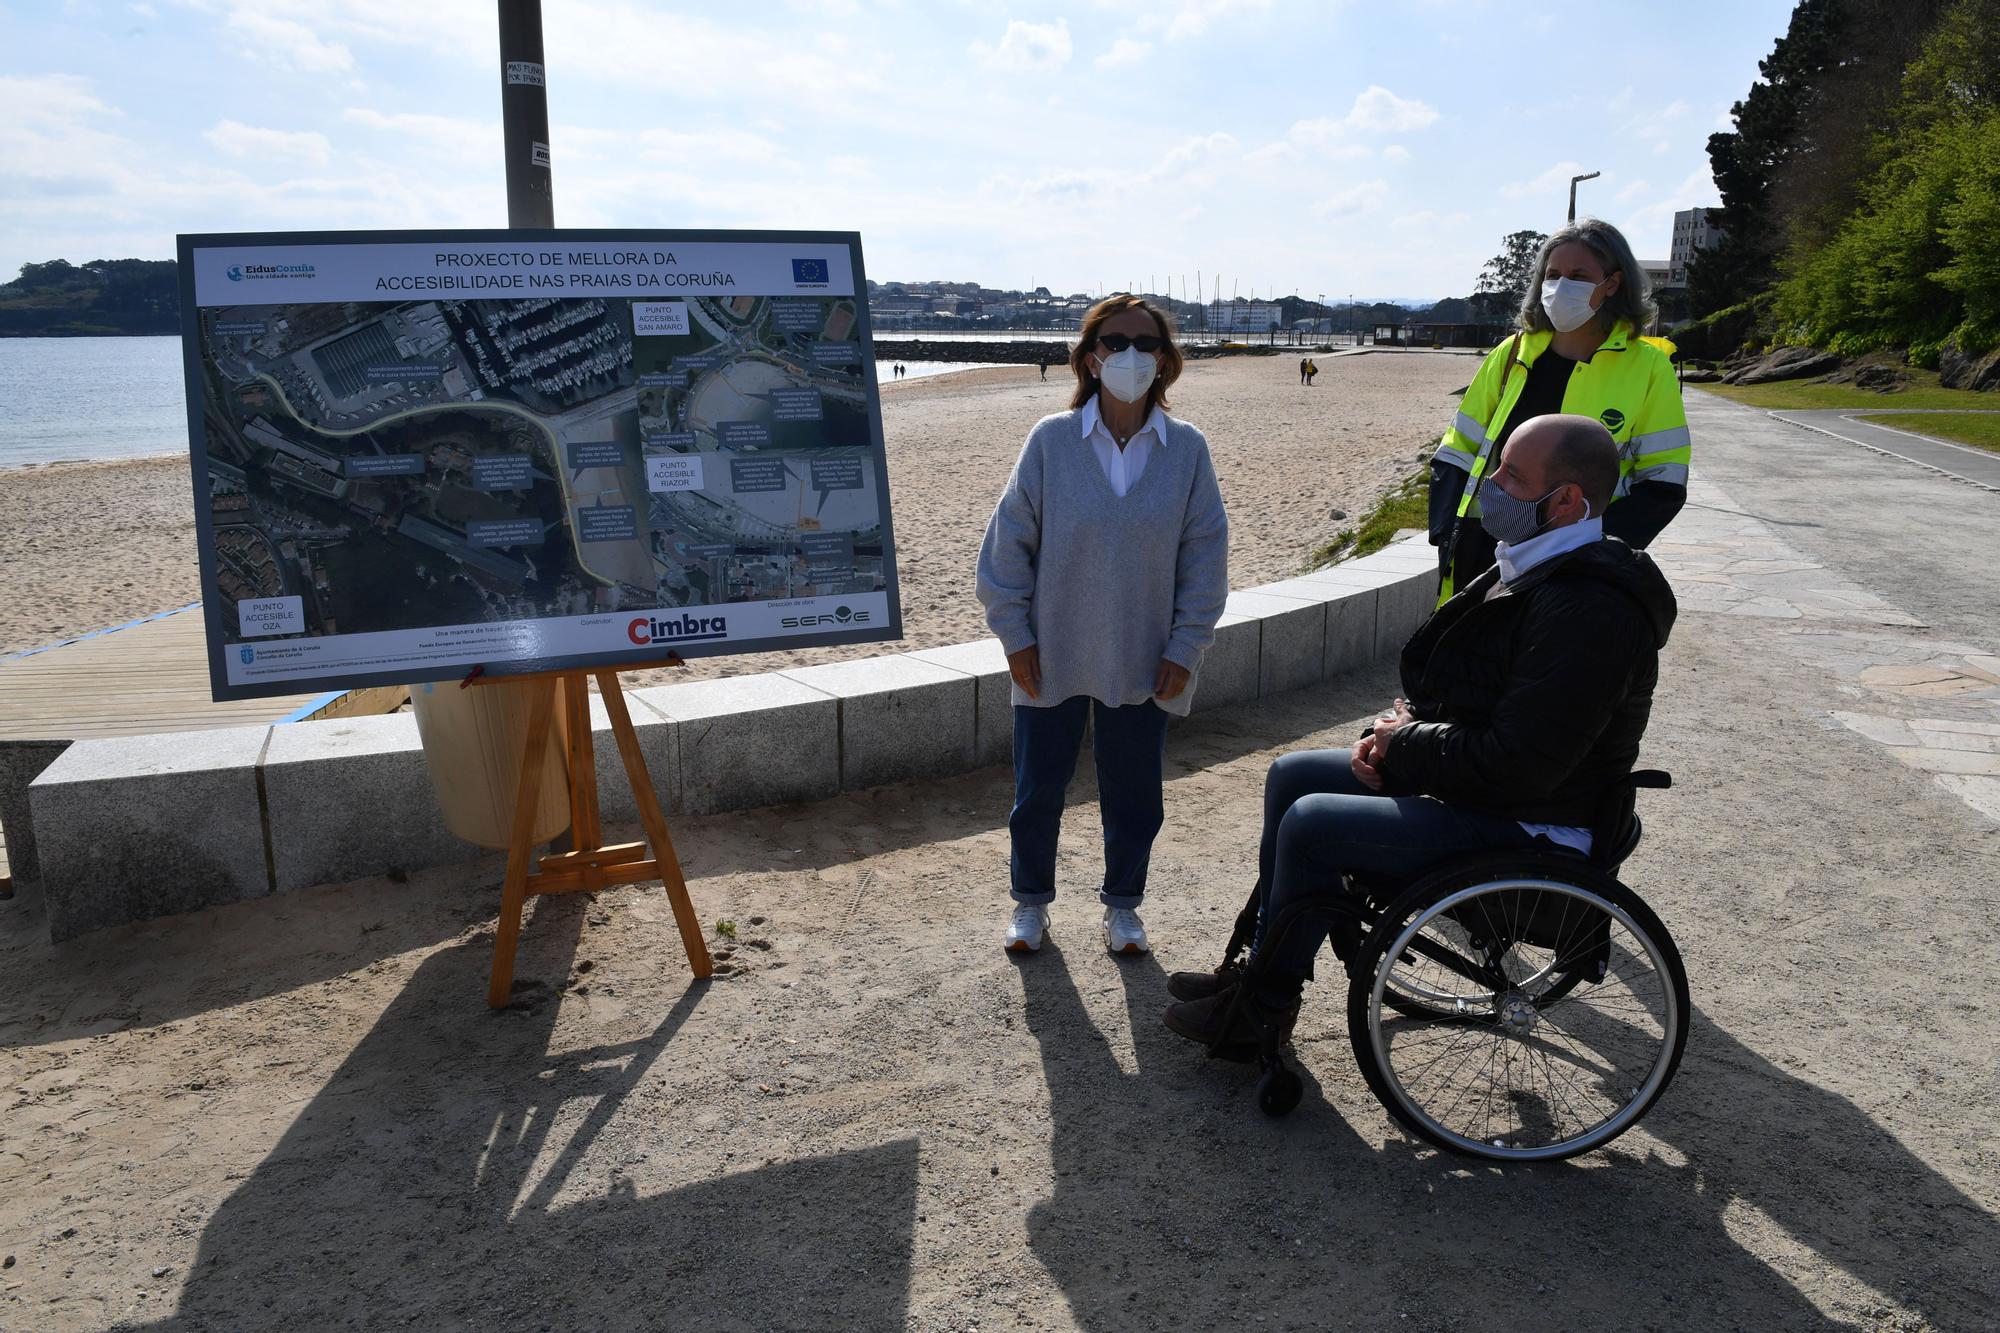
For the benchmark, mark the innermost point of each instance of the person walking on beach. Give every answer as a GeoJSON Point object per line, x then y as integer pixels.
{"type": "Point", "coordinates": [1578, 351]}
{"type": "Point", "coordinates": [1103, 572]}
{"type": "Point", "coordinates": [1302, 371]}
{"type": "Point", "coordinates": [1312, 372]}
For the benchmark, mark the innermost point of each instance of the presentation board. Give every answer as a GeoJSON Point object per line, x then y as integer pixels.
{"type": "Point", "coordinates": [416, 453]}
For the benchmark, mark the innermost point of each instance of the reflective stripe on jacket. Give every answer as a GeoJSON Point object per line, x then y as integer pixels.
{"type": "Point", "coordinates": [1627, 384]}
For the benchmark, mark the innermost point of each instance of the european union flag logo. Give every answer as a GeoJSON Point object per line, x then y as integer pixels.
{"type": "Point", "coordinates": [808, 270]}
{"type": "Point", "coordinates": [248, 655]}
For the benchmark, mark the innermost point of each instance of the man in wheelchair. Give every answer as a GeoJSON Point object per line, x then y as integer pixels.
{"type": "Point", "coordinates": [1527, 695]}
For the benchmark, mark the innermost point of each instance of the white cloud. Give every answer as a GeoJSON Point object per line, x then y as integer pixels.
{"type": "Point", "coordinates": [1362, 198]}
{"type": "Point", "coordinates": [1193, 18]}
{"type": "Point", "coordinates": [55, 144]}
{"type": "Point", "coordinates": [469, 141]}
{"type": "Point", "coordinates": [235, 139]}
{"type": "Point", "coordinates": [1123, 52]}
{"type": "Point", "coordinates": [1040, 47]}
{"type": "Point", "coordinates": [1650, 227]}
{"type": "Point", "coordinates": [1378, 109]}
{"type": "Point", "coordinates": [1556, 178]}
{"type": "Point", "coordinates": [1192, 160]}
{"type": "Point", "coordinates": [1632, 191]}
{"type": "Point", "coordinates": [262, 37]}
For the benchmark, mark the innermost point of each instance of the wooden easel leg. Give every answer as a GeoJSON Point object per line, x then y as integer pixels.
{"type": "Point", "coordinates": [520, 848]}
{"type": "Point", "coordinates": [655, 824]}
{"type": "Point", "coordinates": [586, 822]}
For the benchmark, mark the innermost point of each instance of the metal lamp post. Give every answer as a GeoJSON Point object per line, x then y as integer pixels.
{"type": "Point", "coordinates": [1587, 176]}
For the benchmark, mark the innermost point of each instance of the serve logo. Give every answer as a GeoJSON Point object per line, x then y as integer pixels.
{"type": "Point", "coordinates": [676, 629]}
{"type": "Point", "coordinates": [840, 615]}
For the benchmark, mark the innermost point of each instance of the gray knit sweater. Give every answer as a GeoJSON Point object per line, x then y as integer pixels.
{"type": "Point", "coordinates": [1106, 586]}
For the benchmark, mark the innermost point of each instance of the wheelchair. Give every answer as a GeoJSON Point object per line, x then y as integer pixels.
{"type": "Point", "coordinates": [1515, 1007]}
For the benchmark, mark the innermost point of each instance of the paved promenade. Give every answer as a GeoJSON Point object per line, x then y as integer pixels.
{"type": "Point", "coordinates": [1961, 461]}
{"type": "Point", "coordinates": [298, 1113]}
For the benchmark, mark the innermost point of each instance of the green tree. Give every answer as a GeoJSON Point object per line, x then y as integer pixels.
{"type": "Point", "coordinates": [1503, 283]}
{"type": "Point", "coordinates": [1917, 261]}
{"type": "Point", "coordinates": [1807, 136]}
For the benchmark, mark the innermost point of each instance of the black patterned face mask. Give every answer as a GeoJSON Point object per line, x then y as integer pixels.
{"type": "Point", "coordinates": [1509, 520]}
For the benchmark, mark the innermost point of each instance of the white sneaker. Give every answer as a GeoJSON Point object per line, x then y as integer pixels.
{"type": "Point", "coordinates": [1024, 933]}
{"type": "Point", "coordinates": [1124, 932]}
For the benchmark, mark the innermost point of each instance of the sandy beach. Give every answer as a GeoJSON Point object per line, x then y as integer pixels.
{"type": "Point", "coordinates": [91, 545]}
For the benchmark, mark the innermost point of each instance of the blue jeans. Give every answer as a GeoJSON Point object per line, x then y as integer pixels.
{"type": "Point", "coordinates": [1320, 823]}
{"type": "Point", "coordinates": [1130, 745]}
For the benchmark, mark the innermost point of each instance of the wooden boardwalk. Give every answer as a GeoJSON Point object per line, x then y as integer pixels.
{"type": "Point", "coordinates": [148, 676]}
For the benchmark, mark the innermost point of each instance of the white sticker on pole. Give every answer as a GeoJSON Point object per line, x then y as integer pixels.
{"type": "Point", "coordinates": [539, 155]}
{"type": "Point", "coordinates": [659, 319]}
{"type": "Point", "coordinates": [271, 615]}
{"type": "Point", "coordinates": [524, 72]}
{"type": "Point", "coordinates": [674, 472]}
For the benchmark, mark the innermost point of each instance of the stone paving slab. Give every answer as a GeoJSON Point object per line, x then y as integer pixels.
{"type": "Point", "coordinates": [1905, 684]}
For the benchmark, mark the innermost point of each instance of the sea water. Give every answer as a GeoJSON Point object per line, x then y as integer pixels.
{"type": "Point", "coordinates": [74, 399]}
{"type": "Point", "coordinates": [64, 399]}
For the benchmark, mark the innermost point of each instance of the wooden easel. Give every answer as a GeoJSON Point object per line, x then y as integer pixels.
{"type": "Point", "coordinates": [589, 865]}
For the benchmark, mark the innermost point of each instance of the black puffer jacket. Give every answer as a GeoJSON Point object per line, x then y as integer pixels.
{"type": "Point", "coordinates": [1530, 700]}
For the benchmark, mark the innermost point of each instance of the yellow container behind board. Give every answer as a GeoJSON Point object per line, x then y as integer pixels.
{"type": "Point", "coordinates": [473, 740]}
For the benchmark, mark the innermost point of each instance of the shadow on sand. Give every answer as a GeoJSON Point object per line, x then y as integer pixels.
{"type": "Point", "coordinates": [434, 1182]}
{"type": "Point", "coordinates": [1178, 1205]}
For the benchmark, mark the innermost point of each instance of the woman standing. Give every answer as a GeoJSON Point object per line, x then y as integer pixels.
{"type": "Point", "coordinates": [1578, 350]}
{"type": "Point", "coordinates": [1103, 572]}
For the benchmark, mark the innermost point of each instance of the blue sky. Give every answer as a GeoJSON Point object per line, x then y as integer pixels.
{"type": "Point", "coordinates": [1337, 148]}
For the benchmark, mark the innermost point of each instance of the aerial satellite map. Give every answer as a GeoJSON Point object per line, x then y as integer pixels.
{"type": "Point", "coordinates": [537, 456]}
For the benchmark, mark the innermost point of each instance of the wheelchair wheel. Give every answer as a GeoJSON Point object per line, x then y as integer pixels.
{"type": "Point", "coordinates": [1518, 1008]}
{"type": "Point", "coordinates": [1418, 991]}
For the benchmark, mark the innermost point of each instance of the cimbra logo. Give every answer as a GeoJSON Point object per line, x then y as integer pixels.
{"type": "Point", "coordinates": [676, 629]}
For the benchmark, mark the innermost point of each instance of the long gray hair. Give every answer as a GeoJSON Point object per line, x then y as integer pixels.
{"type": "Point", "coordinates": [1632, 301]}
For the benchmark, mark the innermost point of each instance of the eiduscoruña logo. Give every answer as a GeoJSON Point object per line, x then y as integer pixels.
{"type": "Point", "coordinates": [252, 272]}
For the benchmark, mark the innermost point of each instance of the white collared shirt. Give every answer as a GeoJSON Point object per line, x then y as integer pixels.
{"type": "Point", "coordinates": [1122, 466]}
{"type": "Point", "coordinates": [1515, 560]}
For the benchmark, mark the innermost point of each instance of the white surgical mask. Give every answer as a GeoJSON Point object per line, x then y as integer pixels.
{"type": "Point", "coordinates": [1566, 301]}
{"type": "Point", "coordinates": [1128, 374]}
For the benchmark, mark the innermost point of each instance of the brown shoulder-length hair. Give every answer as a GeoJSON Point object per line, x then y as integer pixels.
{"type": "Point", "coordinates": [1086, 343]}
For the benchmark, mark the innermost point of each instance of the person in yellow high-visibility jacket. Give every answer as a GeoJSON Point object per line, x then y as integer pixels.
{"type": "Point", "coordinates": [1578, 350]}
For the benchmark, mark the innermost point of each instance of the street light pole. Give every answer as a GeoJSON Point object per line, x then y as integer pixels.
{"type": "Point", "coordinates": [524, 115]}
{"type": "Point", "coordinates": [1587, 176]}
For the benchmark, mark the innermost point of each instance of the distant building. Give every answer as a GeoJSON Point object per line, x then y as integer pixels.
{"type": "Point", "coordinates": [1694, 229]}
{"type": "Point", "coordinates": [1659, 274]}
{"type": "Point", "coordinates": [1241, 316]}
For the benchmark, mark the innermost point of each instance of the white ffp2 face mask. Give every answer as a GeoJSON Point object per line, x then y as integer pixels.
{"type": "Point", "coordinates": [1128, 374]}
{"type": "Point", "coordinates": [1566, 301]}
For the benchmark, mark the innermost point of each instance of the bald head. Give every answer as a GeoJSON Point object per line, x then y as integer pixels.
{"type": "Point", "coordinates": [1564, 449]}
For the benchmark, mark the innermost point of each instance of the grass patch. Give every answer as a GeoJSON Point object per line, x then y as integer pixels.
{"type": "Point", "coordinates": [725, 928]}
{"type": "Point", "coordinates": [1981, 432]}
{"type": "Point", "coordinates": [1406, 505]}
{"type": "Point", "coordinates": [1806, 395]}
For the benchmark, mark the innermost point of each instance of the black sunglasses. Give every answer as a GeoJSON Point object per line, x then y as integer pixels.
{"type": "Point", "coordinates": [1118, 342]}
